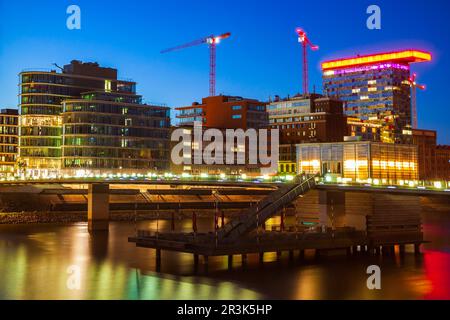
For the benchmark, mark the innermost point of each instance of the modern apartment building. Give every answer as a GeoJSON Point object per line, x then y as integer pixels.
{"type": "Point", "coordinates": [225, 112]}
{"type": "Point", "coordinates": [361, 161]}
{"type": "Point", "coordinates": [375, 88]}
{"type": "Point", "coordinates": [305, 119]}
{"type": "Point", "coordinates": [42, 96]}
{"type": "Point", "coordinates": [222, 113]}
{"type": "Point", "coordinates": [9, 141]}
{"type": "Point", "coordinates": [112, 132]}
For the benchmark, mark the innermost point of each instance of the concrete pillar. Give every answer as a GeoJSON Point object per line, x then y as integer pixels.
{"type": "Point", "coordinates": [98, 207]}
{"type": "Point", "coordinates": [317, 254]}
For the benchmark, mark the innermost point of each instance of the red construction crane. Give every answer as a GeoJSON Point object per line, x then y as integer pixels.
{"type": "Point", "coordinates": [414, 85]}
{"type": "Point", "coordinates": [212, 42]}
{"type": "Point", "coordinates": [304, 40]}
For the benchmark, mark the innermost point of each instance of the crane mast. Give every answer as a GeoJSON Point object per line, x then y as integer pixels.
{"type": "Point", "coordinates": [414, 86]}
{"type": "Point", "coordinates": [305, 42]}
{"type": "Point", "coordinates": [212, 42]}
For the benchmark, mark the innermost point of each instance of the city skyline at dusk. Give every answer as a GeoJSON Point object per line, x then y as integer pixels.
{"type": "Point", "coordinates": [216, 157]}
{"type": "Point", "coordinates": [261, 59]}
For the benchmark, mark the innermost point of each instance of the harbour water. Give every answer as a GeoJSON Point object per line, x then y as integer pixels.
{"type": "Point", "coordinates": [36, 261]}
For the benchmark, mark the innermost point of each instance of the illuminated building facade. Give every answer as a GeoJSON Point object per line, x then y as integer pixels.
{"type": "Point", "coordinates": [434, 159]}
{"type": "Point", "coordinates": [305, 119]}
{"type": "Point", "coordinates": [196, 162]}
{"type": "Point", "coordinates": [375, 88]}
{"type": "Point", "coordinates": [9, 141]}
{"type": "Point", "coordinates": [443, 163]}
{"type": "Point", "coordinates": [113, 132]}
{"type": "Point", "coordinates": [363, 161]}
{"type": "Point", "coordinates": [41, 96]}
{"type": "Point", "coordinates": [225, 112]}
{"type": "Point", "coordinates": [222, 113]}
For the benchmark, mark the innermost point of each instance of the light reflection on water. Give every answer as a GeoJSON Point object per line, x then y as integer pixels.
{"type": "Point", "coordinates": [34, 261]}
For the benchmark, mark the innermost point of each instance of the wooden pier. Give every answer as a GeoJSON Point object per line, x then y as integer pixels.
{"type": "Point", "coordinates": [247, 235]}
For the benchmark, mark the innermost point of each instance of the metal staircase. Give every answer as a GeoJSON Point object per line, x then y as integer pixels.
{"type": "Point", "coordinates": [265, 209]}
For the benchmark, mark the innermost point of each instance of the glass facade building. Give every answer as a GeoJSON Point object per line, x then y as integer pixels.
{"type": "Point", "coordinates": [361, 162]}
{"type": "Point", "coordinates": [109, 133]}
{"type": "Point", "coordinates": [88, 105]}
{"type": "Point", "coordinates": [40, 103]}
{"type": "Point", "coordinates": [375, 88]}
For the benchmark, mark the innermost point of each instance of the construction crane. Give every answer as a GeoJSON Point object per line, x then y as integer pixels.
{"type": "Point", "coordinates": [304, 40]}
{"type": "Point", "coordinates": [212, 42]}
{"type": "Point", "coordinates": [414, 85]}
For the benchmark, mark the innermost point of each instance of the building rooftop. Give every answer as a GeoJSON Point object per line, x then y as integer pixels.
{"type": "Point", "coordinates": [405, 56]}
{"type": "Point", "coordinates": [13, 112]}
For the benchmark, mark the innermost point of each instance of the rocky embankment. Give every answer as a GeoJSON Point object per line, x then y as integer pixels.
{"type": "Point", "coordinates": [72, 217]}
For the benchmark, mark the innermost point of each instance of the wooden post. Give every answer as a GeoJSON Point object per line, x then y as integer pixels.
{"type": "Point", "coordinates": [302, 255]}
{"type": "Point", "coordinates": [261, 257]}
{"type": "Point", "coordinates": [158, 259]}
{"type": "Point", "coordinates": [223, 219]}
{"type": "Point", "coordinates": [349, 251]}
{"type": "Point", "coordinates": [278, 255]}
{"type": "Point", "coordinates": [317, 254]}
{"type": "Point", "coordinates": [98, 207]}
{"type": "Point", "coordinates": [417, 249]}
{"type": "Point", "coordinates": [377, 250]}
{"type": "Point", "coordinates": [291, 255]}
{"type": "Point", "coordinates": [244, 259]}
{"type": "Point", "coordinates": [194, 222]}
{"type": "Point", "coordinates": [230, 261]}
{"type": "Point", "coordinates": [196, 260]}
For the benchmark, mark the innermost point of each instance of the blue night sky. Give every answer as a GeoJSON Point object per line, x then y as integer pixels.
{"type": "Point", "coordinates": [261, 59]}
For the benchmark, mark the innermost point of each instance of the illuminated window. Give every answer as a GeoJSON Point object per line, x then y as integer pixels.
{"type": "Point", "coordinates": [108, 85]}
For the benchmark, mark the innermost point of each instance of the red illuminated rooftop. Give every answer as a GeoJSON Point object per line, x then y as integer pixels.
{"type": "Point", "coordinates": [407, 56]}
